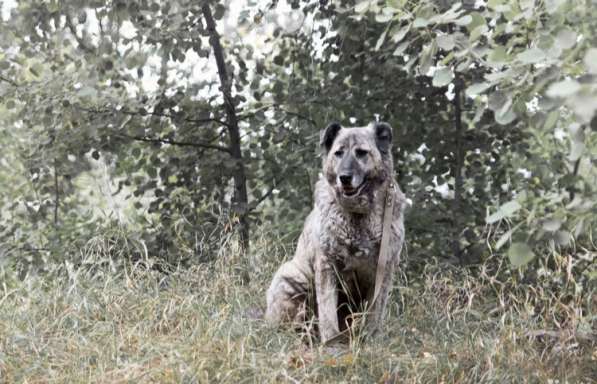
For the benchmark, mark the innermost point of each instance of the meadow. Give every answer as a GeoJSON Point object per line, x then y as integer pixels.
{"type": "Point", "coordinates": [104, 321]}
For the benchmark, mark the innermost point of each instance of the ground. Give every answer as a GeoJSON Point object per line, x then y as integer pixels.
{"type": "Point", "coordinates": [109, 324]}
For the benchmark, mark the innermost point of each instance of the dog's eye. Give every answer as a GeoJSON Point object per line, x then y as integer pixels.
{"type": "Point", "coordinates": [338, 153]}
{"type": "Point", "coordinates": [361, 153]}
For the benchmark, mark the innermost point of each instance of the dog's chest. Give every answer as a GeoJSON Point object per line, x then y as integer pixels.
{"type": "Point", "coordinates": [352, 245]}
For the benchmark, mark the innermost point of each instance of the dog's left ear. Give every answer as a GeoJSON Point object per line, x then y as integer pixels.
{"type": "Point", "coordinates": [383, 137]}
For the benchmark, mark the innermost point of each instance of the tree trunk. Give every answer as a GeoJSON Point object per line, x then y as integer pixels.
{"type": "Point", "coordinates": [458, 164]}
{"type": "Point", "coordinates": [56, 194]}
{"type": "Point", "coordinates": [240, 198]}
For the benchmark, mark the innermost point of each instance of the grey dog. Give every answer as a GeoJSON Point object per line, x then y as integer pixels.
{"type": "Point", "coordinates": [338, 250]}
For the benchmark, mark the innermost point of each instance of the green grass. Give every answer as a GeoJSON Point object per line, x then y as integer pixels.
{"type": "Point", "coordinates": [117, 325]}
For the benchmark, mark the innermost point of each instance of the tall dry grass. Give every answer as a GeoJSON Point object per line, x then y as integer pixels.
{"type": "Point", "coordinates": [108, 322]}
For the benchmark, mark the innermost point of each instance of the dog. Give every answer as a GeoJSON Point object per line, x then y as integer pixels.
{"type": "Point", "coordinates": [334, 270]}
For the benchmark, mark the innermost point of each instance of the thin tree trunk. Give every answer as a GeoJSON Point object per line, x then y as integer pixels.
{"type": "Point", "coordinates": [459, 163]}
{"type": "Point", "coordinates": [240, 198]}
{"type": "Point", "coordinates": [57, 195]}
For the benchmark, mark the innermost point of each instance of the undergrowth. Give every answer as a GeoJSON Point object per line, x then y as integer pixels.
{"type": "Point", "coordinates": [103, 321]}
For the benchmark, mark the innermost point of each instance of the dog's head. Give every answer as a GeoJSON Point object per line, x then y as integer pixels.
{"type": "Point", "coordinates": [356, 162]}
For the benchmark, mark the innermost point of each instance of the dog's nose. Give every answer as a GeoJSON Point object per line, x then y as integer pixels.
{"type": "Point", "coordinates": [346, 179]}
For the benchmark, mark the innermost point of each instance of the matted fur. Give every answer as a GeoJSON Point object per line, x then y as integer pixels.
{"type": "Point", "coordinates": [337, 252]}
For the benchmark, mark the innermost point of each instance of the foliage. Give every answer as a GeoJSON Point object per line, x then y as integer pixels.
{"type": "Point", "coordinates": [530, 65]}
{"type": "Point", "coordinates": [191, 132]}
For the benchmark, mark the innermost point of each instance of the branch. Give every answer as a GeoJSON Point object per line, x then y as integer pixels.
{"type": "Point", "coordinates": [73, 31]}
{"type": "Point", "coordinates": [9, 81]}
{"type": "Point", "coordinates": [159, 114]}
{"type": "Point", "coordinates": [255, 204]}
{"type": "Point", "coordinates": [277, 106]}
{"type": "Point", "coordinates": [459, 162]}
{"type": "Point", "coordinates": [177, 143]}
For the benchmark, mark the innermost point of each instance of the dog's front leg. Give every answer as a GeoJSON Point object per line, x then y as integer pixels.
{"type": "Point", "coordinates": [326, 290]}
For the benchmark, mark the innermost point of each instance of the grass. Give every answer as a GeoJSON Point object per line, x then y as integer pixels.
{"type": "Point", "coordinates": [101, 323]}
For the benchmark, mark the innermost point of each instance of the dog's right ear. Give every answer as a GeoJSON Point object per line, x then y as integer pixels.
{"type": "Point", "coordinates": [328, 135]}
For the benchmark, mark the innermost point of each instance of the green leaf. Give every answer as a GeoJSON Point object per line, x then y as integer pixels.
{"type": "Point", "coordinates": [362, 7]}
{"type": "Point", "coordinates": [401, 48]}
{"type": "Point", "coordinates": [564, 88]}
{"type": "Point", "coordinates": [520, 254]}
{"type": "Point", "coordinates": [476, 89]}
{"type": "Point", "coordinates": [563, 238]}
{"type": "Point", "coordinates": [531, 56]}
{"type": "Point", "coordinates": [552, 225]}
{"type": "Point", "coordinates": [442, 77]}
{"type": "Point", "coordinates": [577, 148]}
{"type": "Point", "coordinates": [552, 6]}
{"type": "Point", "coordinates": [220, 11]}
{"type": "Point", "coordinates": [506, 210]}
{"type": "Point", "coordinates": [498, 55]}
{"type": "Point", "coordinates": [384, 16]}
{"type": "Point", "coordinates": [381, 39]}
{"type": "Point", "coordinates": [445, 42]}
{"type": "Point", "coordinates": [591, 60]}
{"type": "Point", "coordinates": [427, 57]}
{"type": "Point", "coordinates": [566, 39]}
{"type": "Point", "coordinates": [398, 36]}
{"type": "Point", "coordinates": [505, 116]}
{"type": "Point", "coordinates": [87, 92]}
{"type": "Point", "coordinates": [551, 120]}
{"type": "Point", "coordinates": [464, 20]}
{"type": "Point", "coordinates": [506, 236]}
{"type": "Point", "coordinates": [477, 20]}
{"type": "Point", "coordinates": [493, 4]}
{"type": "Point", "coordinates": [420, 22]}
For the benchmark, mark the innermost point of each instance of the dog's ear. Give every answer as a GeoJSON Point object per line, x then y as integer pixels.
{"type": "Point", "coordinates": [383, 137]}
{"type": "Point", "coordinates": [328, 135]}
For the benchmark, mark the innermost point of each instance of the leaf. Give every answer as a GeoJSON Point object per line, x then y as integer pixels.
{"type": "Point", "coordinates": [566, 39]}
{"type": "Point", "coordinates": [362, 7]}
{"type": "Point", "coordinates": [445, 42]}
{"type": "Point", "coordinates": [420, 22]}
{"type": "Point", "coordinates": [426, 58]}
{"type": "Point", "coordinates": [464, 20]}
{"type": "Point", "coordinates": [497, 100]}
{"type": "Point", "coordinates": [503, 239]}
{"type": "Point", "coordinates": [506, 210]}
{"type": "Point", "coordinates": [442, 77]}
{"type": "Point", "coordinates": [401, 48]}
{"type": "Point", "coordinates": [381, 39]}
{"type": "Point", "coordinates": [591, 60]}
{"type": "Point", "coordinates": [504, 113]}
{"type": "Point", "coordinates": [552, 225]}
{"type": "Point", "coordinates": [510, 207]}
{"type": "Point", "coordinates": [577, 148]}
{"type": "Point", "coordinates": [398, 36]}
{"type": "Point", "coordinates": [564, 88]}
{"type": "Point", "coordinates": [498, 55]}
{"type": "Point", "coordinates": [506, 236]}
{"type": "Point", "coordinates": [384, 17]}
{"type": "Point", "coordinates": [531, 56]}
{"type": "Point", "coordinates": [520, 254]}
{"type": "Point", "coordinates": [552, 6]}
{"type": "Point", "coordinates": [551, 120]}
{"type": "Point", "coordinates": [563, 238]}
{"type": "Point", "coordinates": [505, 116]}
{"type": "Point", "coordinates": [220, 11]}
{"type": "Point", "coordinates": [476, 89]}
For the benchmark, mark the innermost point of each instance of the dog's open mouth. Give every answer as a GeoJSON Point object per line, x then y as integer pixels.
{"type": "Point", "coordinates": [352, 192]}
